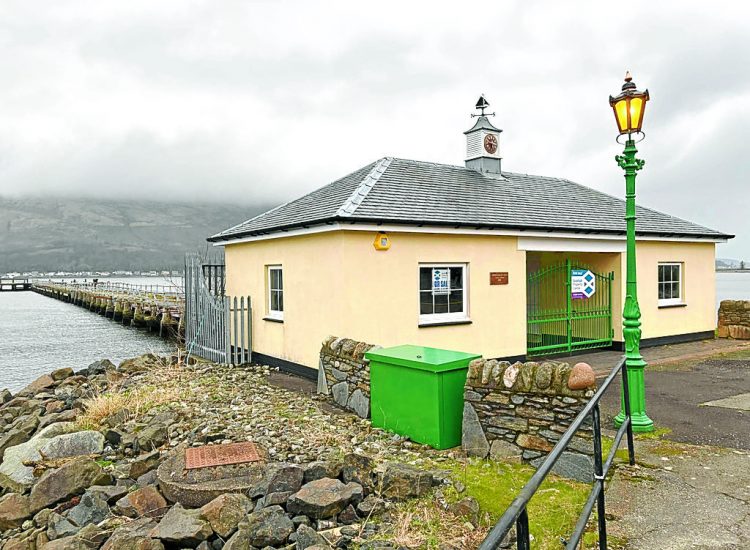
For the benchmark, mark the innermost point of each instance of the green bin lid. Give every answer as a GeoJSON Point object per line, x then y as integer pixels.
{"type": "Point", "coordinates": [423, 358]}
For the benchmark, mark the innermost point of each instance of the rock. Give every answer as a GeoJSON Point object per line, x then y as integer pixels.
{"type": "Point", "coordinates": [20, 432]}
{"type": "Point", "coordinates": [142, 363]}
{"type": "Point", "coordinates": [401, 481]}
{"type": "Point", "coordinates": [272, 498]}
{"type": "Point", "coordinates": [581, 377]}
{"type": "Point", "coordinates": [14, 509]}
{"type": "Point", "coordinates": [91, 509]}
{"type": "Point", "coordinates": [278, 478]}
{"type": "Point", "coordinates": [543, 377]}
{"type": "Point", "coordinates": [43, 382]}
{"type": "Point", "coordinates": [133, 535]}
{"type": "Point", "coordinates": [340, 393]}
{"type": "Point", "coordinates": [152, 436]}
{"type": "Point", "coordinates": [473, 440]}
{"type": "Point", "coordinates": [307, 537]}
{"type": "Point", "coordinates": [239, 541]}
{"type": "Point", "coordinates": [149, 478]}
{"type": "Point", "coordinates": [324, 498]}
{"type": "Point", "coordinates": [59, 526]}
{"type": "Point", "coordinates": [358, 468]}
{"type": "Point", "coordinates": [200, 486]}
{"type": "Point", "coordinates": [100, 367]}
{"type": "Point", "coordinates": [113, 437]}
{"type": "Point", "coordinates": [14, 474]}
{"type": "Point", "coordinates": [510, 375]}
{"type": "Point", "coordinates": [61, 374]}
{"type": "Point", "coordinates": [503, 450]}
{"type": "Point", "coordinates": [74, 444]}
{"type": "Point", "coordinates": [320, 469]}
{"type": "Point", "coordinates": [90, 537]}
{"type": "Point", "coordinates": [371, 505]}
{"type": "Point", "coordinates": [348, 516]}
{"type": "Point", "coordinates": [110, 493]}
{"type": "Point", "coordinates": [181, 526]}
{"type": "Point", "coordinates": [225, 512]}
{"type": "Point", "coordinates": [360, 403]}
{"type": "Point", "coordinates": [143, 464]}
{"type": "Point", "coordinates": [572, 466]}
{"type": "Point", "coordinates": [269, 527]}
{"type": "Point", "coordinates": [467, 508]}
{"type": "Point", "coordinates": [65, 482]}
{"type": "Point", "coordinates": [534, 442]}
{"type": "Point", "coordinates": [5, 396]}
{"type": "Point", "coordinates": [144, 502]}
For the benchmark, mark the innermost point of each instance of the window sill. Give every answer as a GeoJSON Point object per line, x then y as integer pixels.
{"type": "Point", "coordinates": [274, 319]}
{"type": "Point", "coordinates": [444, 323]}
{"type": "Point", "coordinates": [666, 306]}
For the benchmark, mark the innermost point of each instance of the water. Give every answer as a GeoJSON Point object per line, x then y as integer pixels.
{"type": "Point", "coordinates": [40, 334]}
{"type": "Point", "coordinates": [732, 286]}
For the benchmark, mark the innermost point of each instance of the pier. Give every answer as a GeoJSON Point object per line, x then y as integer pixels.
{"type": "Point", "coordinates": [158, 308]}
{"type": "Point", "coordinates": [14, 284]}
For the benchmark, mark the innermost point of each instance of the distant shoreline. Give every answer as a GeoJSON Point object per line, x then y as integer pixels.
{"type": "Point", "coordinates": [723, 270]}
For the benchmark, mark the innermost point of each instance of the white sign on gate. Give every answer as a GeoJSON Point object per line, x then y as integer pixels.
{"type": "Point", "coordinates": [582, 284]}
{"type": "Point", "coordinates": [441, 281]}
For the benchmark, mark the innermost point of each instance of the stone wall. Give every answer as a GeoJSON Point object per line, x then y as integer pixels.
{"type": "Point", "coordinates": [734, 319]}
{"type": "Point", "coordinates": [344, 373]}
{"type": "Point", "coordinates": [519, 411]}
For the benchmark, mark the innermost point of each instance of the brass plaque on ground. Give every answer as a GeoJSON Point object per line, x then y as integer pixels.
{"type": "Point", "coordinates": [220, 455]}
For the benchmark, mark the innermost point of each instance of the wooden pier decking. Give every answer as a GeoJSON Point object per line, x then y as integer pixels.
{"type": "Point", "coordinates": [158, 308]}
{"type": "Point", "coordinates": [14, 284]}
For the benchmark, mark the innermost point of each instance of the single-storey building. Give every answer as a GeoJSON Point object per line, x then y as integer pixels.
{"type": "Point", "coordinates": [470, 258]}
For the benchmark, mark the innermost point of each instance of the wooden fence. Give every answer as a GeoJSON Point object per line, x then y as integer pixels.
{"type": "Point", "coordinates": [217, 327]}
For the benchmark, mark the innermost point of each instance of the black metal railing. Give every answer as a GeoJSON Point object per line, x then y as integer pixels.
{"type": "Point", "coordinates": [517, 513]}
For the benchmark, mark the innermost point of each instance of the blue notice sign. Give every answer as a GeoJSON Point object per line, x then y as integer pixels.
{"type": "Point", "coordinates": [582, 284]}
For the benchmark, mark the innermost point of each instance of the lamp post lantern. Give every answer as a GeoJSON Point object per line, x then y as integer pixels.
{"type": "Point", "coordinates": [629, 108]}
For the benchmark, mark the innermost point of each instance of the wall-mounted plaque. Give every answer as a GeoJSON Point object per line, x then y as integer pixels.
{"type": "Point", "coordinates": [498, 277]}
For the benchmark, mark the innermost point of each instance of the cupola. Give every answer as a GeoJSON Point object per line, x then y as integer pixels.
{"type": "Point", "coordinates": [483, 142]}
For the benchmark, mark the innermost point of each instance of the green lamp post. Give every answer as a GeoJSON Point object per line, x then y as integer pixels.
{"type": "Point", "coordinates": [629, 108]}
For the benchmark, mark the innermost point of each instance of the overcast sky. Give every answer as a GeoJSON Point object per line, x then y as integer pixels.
{"type": "Point", "coordinates": [263, 101]}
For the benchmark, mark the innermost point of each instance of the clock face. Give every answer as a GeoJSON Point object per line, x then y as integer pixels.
{"type": "Point", "coordinates": [490, 144]}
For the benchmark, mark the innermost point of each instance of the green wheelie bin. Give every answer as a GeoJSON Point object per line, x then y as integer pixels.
{"type": "Point", "coordinates": [419, 392]}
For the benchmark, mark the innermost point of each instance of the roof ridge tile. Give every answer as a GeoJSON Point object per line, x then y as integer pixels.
{"type": "Point", "coordinates": [360, 193]}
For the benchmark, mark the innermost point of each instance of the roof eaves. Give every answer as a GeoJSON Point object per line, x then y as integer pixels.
{"type": "Point", "coordinates": [360, 193]}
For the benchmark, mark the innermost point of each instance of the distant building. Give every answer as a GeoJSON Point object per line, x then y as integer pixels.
{"type": "Point", "coordinates": [470, 258]}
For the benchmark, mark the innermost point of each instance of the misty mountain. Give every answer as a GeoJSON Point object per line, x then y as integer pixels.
{"type": "Point", "coordinates": [88, 234]}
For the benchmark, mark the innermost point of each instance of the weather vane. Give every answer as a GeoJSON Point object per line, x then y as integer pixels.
{"type": "Point", "coordinates": [482, 104]}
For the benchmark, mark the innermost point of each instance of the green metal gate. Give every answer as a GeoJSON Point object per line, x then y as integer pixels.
{"type": "Point", "coordinates": [558, 321]}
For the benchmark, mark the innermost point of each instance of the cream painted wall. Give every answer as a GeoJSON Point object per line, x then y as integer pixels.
{"type": "Point", "coordinates": [699, 288]}
{"type": "Point", "coordinates": [337, 283]}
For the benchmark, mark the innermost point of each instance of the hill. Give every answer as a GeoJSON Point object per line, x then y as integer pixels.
{"type": "Point", "coordinates": [89, 234]}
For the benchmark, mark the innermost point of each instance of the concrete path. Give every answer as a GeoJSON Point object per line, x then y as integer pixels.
{"type": "Point", "coordinates": [688, 497]}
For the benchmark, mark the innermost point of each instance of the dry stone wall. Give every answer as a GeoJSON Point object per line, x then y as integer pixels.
{"type": "Point", "coordinates": [520, 411]}
{"type": "Point", "coordinates": [734, 319]}
{"type": "Point", "coordinates": [344, 373]}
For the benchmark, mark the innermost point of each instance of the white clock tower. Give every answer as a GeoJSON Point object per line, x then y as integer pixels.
{"type": "Point", "coordinates": [483, 142]}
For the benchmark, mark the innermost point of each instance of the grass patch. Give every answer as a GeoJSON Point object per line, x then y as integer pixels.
{"type": "Point", "coordinates": [659, 432]}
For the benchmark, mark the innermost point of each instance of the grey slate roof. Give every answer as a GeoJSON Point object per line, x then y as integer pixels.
{"type": "Point", "coordinates": [399, 191]}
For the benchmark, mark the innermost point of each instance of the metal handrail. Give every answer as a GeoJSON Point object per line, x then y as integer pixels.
{"type": "Point", "coordinates": [517, 513]}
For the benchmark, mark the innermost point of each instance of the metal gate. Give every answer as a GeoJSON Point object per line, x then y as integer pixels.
{"type": "Point", "coordinates": [217, 327]}
{"type": "Point", "coordinates": [569, 308]}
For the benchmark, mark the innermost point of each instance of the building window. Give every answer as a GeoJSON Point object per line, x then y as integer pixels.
{"type": "Point", "coordinates": [670, 284]}
{"type": "Point", "coordinates": [275, 292]}
{"type": "Point", "coordinates": [442, 293]}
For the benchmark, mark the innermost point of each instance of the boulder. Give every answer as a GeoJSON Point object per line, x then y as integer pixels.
{"type": "Point", "coordinates": [371, 505]}
{"type": "Point", "coordinates": [272, 498]}
{"type": "Point", "coordinates": [358, 469]}
{"type": "Point", "coordinates": [14, 510]}
{"type": "Point", "coordinates": [182, 527]}
{"type": "Point", "coordinates": [59, 526]}
{"type": "Point", "coordinates": [572, 466]}
{"type": "Point", "coordinates": [19, 432]}
{"type": "Point", "coordinates": [401, 481]}
{"type": "Point", "coordinates": [91, 509]}
{"type": "Point", "coordinates": [324, 498]}
{"type": "Point", "coordinates": [110, 493]}
{"type": "Point", "coordinates": [5, 396]}
{"type": "Point", "coordinates": [14, 474]}
{"type": "Point", "coordinates": [348, 516]}
{"type": "Point", "coordinates": [61, 374]}
{"type": "Point", "coordinates": [74, 444]}
{"type": "Point", "coordinates": [225, 512]}
{"type": "Point", "coordinates": [134, 535]}
{"type": "Point", "coordinates": [64, 482]}
{"type": "Point", "coordinates": [581, 377]}
{"type": "Point", "coordinates": [143, 502]}
{"type": "Point", "coordinates": [100, 367]}
{"type": "Point", "coordinates": [360, 403]}
{"type": "Point", "coordinates": [504, 450]}
{"type": "Point", "coordinates": [152, 436]}
{"type": "Point", "coordinates": [473, 440]}
{"type": "Point", "coordinates": [142, 363]}
{"type": "Point", "coordinates": [42, 383]}
{"type": "Point", "coordinates": [278, 478]}
{"type": "Point", "coordinates": [307, 537]}
{"type": "Point", "coordinates": [467, 508]}
{"type": "Point", "coordinates": [144, 464]}
{"type": "Point", "coordinates": [90, 537]}
{"type": "Point", "coordinates": [320, 469]}
{"type": "Point", "coordinates": [239, 541]}
{"type": "Point", "coordinates": [269, 527]}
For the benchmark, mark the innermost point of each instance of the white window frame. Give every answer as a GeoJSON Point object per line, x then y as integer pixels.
{"type": "Point", "coordinates": [274, 313]}
{"type": "Point", "coordinates": [441, 318]}
{"type": "Point", "coordinates": [680, 300]}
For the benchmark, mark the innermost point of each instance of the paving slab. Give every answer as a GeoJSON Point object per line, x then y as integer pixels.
{"type": "Point", "coordinates": [740, 402]}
